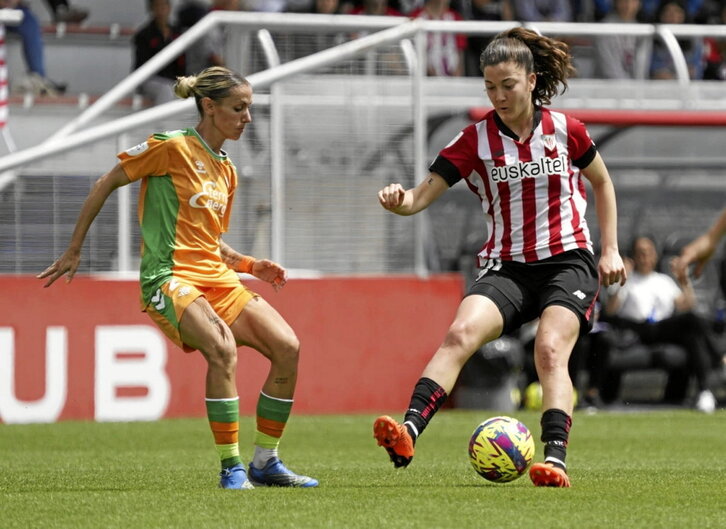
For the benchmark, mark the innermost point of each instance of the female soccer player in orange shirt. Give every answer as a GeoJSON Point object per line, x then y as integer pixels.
{"type": "Point", "coordinates": [189, 281]}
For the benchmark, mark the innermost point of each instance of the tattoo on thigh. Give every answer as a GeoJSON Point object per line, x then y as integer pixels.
{"type": "Point", "coordinates": [282, 380]}
{"type": "Point", "coordinates": [212, 316]}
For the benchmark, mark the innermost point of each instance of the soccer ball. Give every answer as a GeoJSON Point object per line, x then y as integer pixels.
{"type": "Point", "coordinates": [501, 449]}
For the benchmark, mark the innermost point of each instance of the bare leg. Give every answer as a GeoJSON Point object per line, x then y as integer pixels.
{"type": "Point", "coordinates": [200, 327]}
{"type": "Point", "coordinates": [477, 322]}
{"type": "Point", "coordinates": [261, 327]}
{"type": "Point", "coordinates": [557, 333]}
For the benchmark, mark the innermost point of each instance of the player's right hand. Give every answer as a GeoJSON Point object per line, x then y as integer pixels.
{"type": "Point", "coordinates": [391, 197]}
{"type": "Point", "coordinates": [65, 264]}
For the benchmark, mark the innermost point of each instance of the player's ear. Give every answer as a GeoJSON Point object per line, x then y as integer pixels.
{"type": "Point", "coordinates": [207, 105]}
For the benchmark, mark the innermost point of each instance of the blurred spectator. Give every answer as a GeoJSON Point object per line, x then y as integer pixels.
{"type": "Point", "coordinates": [658, 310]}
{"type": "Point", "coordinates": [651, 9]}
{"type": "Point", "coordinates": [36, 81]}
{"type": "Point", "coordinates": [661, 65]}
{"type": "Point", "coordinates": [407, 7]}
{"type": "Point", "coordinates": [190, 12]}
{"type": "Point", "coordinates": [150, 40]}
{"type": "Point", "coordinates": [326, 7]}
{"type": "Point", "coordinates": [621, 56]}
{"type": "Point", "coordinates": [207, 51]}
{"type": "Point", "coordinates": [648, 9]}
{"type": "Point", "coordinates": [484, 10]}
{"type": "Point", "coordinates": [62, 11]}
{"type": "Point", "coordinates": [543, 10]}
{"type": "Point", "coordinates": [715, 53]}
{"type": "Point", "coordinates": [270, 6]}
{"type": "Point", "coordinates": [375, 7]}
{"type": "Point", "coordinates": [297, 45]}
{"type": "Point", "coordinates": [445, 50]}
{"type": "Point", "coordinates": [386, 60]}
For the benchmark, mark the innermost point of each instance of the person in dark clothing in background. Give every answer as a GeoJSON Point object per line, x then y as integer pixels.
{"type": "Point", "coordinates": [148, 41]}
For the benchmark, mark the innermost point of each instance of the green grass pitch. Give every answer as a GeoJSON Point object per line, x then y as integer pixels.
{"type": "Point", "coordinates": [659, 469]}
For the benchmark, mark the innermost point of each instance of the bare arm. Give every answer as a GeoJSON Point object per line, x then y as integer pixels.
{"type": "Point", "coordinates": [687, 299]}
{"type": "Point", "coordinates": [700, 250]}
{"type": "Point", "coordinates": [263, 269]}
{"type": "Point", "coordinates": [409, 202]}
{"type": "Point", "coordinates": [71, 258]}
{"type": "Point", "coordinates": [610, 267]}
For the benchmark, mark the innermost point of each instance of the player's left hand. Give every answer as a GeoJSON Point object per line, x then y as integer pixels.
{"type": "Point", "coordinates": [271, 272]}
{"type": "Point", "coordinates": [611, 269]}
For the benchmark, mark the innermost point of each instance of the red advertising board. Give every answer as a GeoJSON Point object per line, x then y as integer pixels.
{"type": "Point", "coordinates": [84, 350]}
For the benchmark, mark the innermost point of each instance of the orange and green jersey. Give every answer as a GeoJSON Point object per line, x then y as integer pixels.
{"type": "Point", "coordinates": [184, 206]}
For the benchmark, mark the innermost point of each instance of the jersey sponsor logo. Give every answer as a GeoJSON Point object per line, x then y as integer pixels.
{"type": "Point", "coordinates": [533, 169]}
{"type": "Point", "coordinates": [209, 198]}
{"type": "Point", "coordinates": [137, 149]}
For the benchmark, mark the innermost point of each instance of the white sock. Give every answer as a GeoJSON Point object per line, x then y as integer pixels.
{"type": "Point", "coordinates": [262, 456]}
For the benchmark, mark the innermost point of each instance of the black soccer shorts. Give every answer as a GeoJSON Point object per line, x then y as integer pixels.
{"type": "Point", "coordinates": [522, 291]}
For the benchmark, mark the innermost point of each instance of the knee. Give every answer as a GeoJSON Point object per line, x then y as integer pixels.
{"type": "Point", "coordinates": [287, 350]}
{"type": "Point", "coordinates": [459, 336]}
{"type": "Point", "coordinates": [550, 357]}
{"type": "Point", "coordinates": [222, 354]}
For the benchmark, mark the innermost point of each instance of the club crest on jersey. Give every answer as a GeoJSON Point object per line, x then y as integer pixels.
{"type": "Point", "coordinates": [137, 149]}
{"type": "Point", "coordinates": [535, 168]}
{"type": "Point", "coordinates": [549, 141]}
{"type": "Point", "coordinates": [209, 198]}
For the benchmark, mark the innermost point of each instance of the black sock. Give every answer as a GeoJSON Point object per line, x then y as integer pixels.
{"type": "Point", "coordinates": [427, 398]}
{"type": "Point", "coordinates": [555, 434]}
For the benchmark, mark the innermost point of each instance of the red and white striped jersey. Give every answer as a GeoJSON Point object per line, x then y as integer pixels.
{"type": "Point", "coordinates": [532, 192]}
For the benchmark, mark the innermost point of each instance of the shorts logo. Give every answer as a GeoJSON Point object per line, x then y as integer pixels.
{"type": "Point", "coordinates": [579, 294]}
{"type": "Point", "coordinates": [183, 291]}
{"type": "Point", "coordinates": [158, 300]}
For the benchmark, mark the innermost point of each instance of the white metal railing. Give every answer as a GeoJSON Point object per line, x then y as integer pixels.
{"type": "Point", "coordinates": [385, 31]}
{"type": "Point", "coordinates": [391, 29]}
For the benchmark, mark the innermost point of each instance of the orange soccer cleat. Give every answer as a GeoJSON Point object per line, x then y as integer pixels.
{"type": "Point", "coordinates": [548, 475]}
{"type": "Point", "coordinates": [395, 439]}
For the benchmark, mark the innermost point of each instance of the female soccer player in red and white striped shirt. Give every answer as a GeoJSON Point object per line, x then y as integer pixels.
{"type": "Point", "coordinates": [526, 164]}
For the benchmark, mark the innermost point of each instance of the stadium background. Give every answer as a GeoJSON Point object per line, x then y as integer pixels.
{"type": "Point", "coordinates": [372, 293]}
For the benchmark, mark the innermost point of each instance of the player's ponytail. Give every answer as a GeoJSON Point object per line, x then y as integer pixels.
{"type": "Point", "coordinates": [548, 58]}
{"type": "Point", "coordinates": [184, 86]}
{"type": "Point", "coordinates": [214, 83]}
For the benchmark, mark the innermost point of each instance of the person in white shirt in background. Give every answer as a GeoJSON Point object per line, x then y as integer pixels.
{"type": "Point", "coordinates": [659, 310]}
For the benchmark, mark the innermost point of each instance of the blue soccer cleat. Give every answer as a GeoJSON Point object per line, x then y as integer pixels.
{"type": "Point", "coordinates": [276, 474]}
{"type": "Point", "coordinates": [234, 478]}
